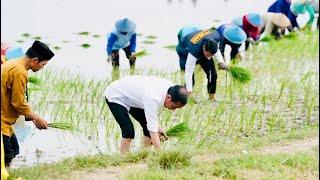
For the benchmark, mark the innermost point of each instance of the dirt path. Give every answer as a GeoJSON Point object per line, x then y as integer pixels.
{"type": "Point", "coordinates": [118, 172]}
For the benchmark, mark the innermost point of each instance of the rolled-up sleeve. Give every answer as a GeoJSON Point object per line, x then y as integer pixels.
{"type": "Point", "coordinates": [18, 100]}
{"type": "Point", "coordinates": [151, 112]}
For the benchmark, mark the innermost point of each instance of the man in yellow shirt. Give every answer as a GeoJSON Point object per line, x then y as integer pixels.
{"type": "Point", "coordinates": [14, 78]}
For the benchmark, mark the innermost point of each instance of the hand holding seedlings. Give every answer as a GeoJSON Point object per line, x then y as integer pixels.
{"type": "Point", "coordinates": [223, 66]}
{"type": "Point", "coordinates": [162, 135]}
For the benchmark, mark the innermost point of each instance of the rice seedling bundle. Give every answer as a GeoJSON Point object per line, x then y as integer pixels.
{"type": "Point", "coordinates": [61, 125]}
{"type": "Point", "coordinates": [34, 80]}
{"type": "Point", "coordinates": [178, 130]}
{"type": "Point", "coordinates": [267, 38]}
{"type": "Point", "coordinates": [141, 53]}
{"type": "Point", "coordinates": [239, 74]}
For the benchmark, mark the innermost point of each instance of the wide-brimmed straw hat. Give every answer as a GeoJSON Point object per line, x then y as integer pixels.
{"type": "Point", "coordinates": [280, 20]}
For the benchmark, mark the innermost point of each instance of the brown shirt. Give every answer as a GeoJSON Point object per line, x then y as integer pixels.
{"type": "Point", "coordinates": [14, 78]}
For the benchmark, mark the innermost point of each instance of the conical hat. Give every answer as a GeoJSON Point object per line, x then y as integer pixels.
{"type": "Point", "coordinates": [280, 20]}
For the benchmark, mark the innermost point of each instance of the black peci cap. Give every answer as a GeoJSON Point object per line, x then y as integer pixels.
{"type": "Point", "coordinates": [40, 50]}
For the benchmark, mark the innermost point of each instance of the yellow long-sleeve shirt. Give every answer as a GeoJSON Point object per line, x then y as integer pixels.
{"type": "Point", "coordinates": [14, 78]}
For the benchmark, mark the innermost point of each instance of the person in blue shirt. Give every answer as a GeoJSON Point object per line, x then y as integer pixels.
{"type": "Point", "coordinates": [291, 10]}
{"type": "Point", "coordinates": [198, 48]}
{"type": "Point", "coordinates": [122, 37]}
{"type": "Point", "coordinates": [231, 35]}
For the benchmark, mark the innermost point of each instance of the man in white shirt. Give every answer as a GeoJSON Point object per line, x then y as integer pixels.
{"type": "Point", "coordinates": [142, 96]}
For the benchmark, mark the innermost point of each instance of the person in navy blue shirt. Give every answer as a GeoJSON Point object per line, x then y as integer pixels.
{"type": "Point", "coordinates": [122, 37]}
{"type": "Point", "coordinates": [291, 10]}
{"type": "Point", "coordinates": [233, 36]}
{"type": "Point", "coordinates": [198, 48]}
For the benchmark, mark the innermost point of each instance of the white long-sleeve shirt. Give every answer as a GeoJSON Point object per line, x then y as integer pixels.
{"type": "Point", "coordinates": [144, 92]}
{"type": "Point", "coordinates": [191, 64]}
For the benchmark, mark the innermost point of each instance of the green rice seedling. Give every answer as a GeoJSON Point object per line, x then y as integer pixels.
{"type": "Point", "coordinates": [239, 74]}
{"type": "Point", "coordinates": [291, 35]}
{"type": "Point", "coordinates": [37, 37]}
{"type": "Point", "coordinates": [84, 33]}
{"type": "Point", "coordinates": [85, 45]}
{"type": "Point", "coordinates": [178, 130]}
{"type": "Point", "coordinates": [96, 35]}
{"type": "Point", "coordinates": [267, 38]}
{"type": "Point", "coordinates": [151, 37]}
{"type": "Point", "coordinates": [56, 47]}
{"type": "Point", "coordinates": [65, 41]}
{"type": "Point", "coordinates": [142, 53]}
{"type": "Point", "coordinates": [34, 80]}
{"type": "Point", "coordinates": [25, 35]}
{"type": "Point", "coordinates": [61, 125]}
{"type": "Point", "coordinates": [19, 41]}
{"type": "Point", "coordinates": [172, 159]}
{"type": "Point", "coordinates": [148, 42]}
{"type": "Point", "coordinates": [170, 47]}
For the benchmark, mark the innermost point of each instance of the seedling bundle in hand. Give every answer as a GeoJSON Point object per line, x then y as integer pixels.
{"type": "Point", "coordinates": [141, 53]}
{"type": "Point", "coordinates": [239, 74]}
{"type": "Point", "coordinates": [61, 125]}
{"type": "Point", "coordinates": [178, 130]}
{"type": "Point", "coordinates": [34, 80]}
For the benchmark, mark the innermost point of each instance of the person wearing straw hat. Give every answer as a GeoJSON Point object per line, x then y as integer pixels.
{"type": "Point", "coordinates": [183, 32]}
{"type": "Point", "coordinates": [122, 37]}
{"type": "Point", "coordinates": [251, 24]}
{"type": "Point", "coordinates": [275, 24]}
{"type": "Point", "coordinates": [14, 78]}
{"type": "Point", "coordinates": [291, 10]}
{"type": "Point", "coordinates": [232, 35]}
{"type": "Point", "coordinates": [198, 48]}
{"type": "Point", "coordinates": [142, 97]}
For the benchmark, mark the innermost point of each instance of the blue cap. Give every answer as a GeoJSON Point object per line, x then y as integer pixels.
{"type": "Point", "coordinates": [234, 34]}
{"type": "Point", "coordinates": [255, 19]}
{"type": "Point", "coordinates": [125, 25]}
{"type": "Point", "coordinates": [14, 52]}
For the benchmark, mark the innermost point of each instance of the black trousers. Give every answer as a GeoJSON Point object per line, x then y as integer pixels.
{"type": "Point", "coordinates": [115, 59]}
{"type": "Point", "coordinates": [209, 68]}
{"type": "Point", "coordinates": [121, 115]}
{"type": "Point", "coordinates": [11, 148]}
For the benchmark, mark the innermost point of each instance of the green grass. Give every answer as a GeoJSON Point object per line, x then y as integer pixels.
{"type": "Point", "coordinates": [171, 159]}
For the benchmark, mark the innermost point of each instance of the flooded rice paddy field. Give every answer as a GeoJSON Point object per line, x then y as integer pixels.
{"type": "Point", "coordinates": [283, 95]}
